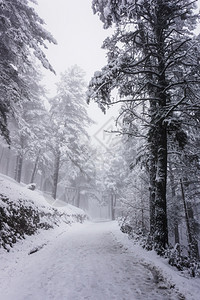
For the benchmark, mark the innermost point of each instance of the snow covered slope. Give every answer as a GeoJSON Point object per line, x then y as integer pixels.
{"type": "Point", "coordinates": [23, 212]}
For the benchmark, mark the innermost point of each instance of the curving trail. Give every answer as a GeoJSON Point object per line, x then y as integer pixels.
{"type": "Point", "coordinates": [83, 262]}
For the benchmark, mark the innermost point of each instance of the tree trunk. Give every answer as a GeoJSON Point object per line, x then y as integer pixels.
{"type": "Point", "coordinates": [8, 162]}
{"type": "Point", "coordinates": [42, 180]}
{"type": "Point", "coordinates": [78, 197]}
{"type": "Point", "coordinates": [152, 181]}
{"type": "Point", "coordinates": [56, 174]}
{"type": "Point", "coordinates": [161, 229]}
{"type": "Point", "coordinates": [158, 172]}
{"type": "Point", "coordinates": [194, 245]}
{"type": "Point", "coordinates": [173, 192]}
{"type": "Point", "coordinates": [112, 207]}
{"type": "Point", "coordinates": [192, 242]}
{"type": "Point", "coordinates": [151, 135]}
{"type": "Point", "coordinates": [160, 127]}
{"type": "Point", "coordinates": [35, 168]}
{"type": "Point", "coordinates": [2, 154]}
{"type": "Point", "coordinates": [19, 164]}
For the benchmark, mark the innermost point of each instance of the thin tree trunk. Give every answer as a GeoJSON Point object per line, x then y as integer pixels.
{"type": "Point", "coordinates": [78, 197]}
{"type": "Point", "coordinates": [8, 162]}
{"type": "Point", "coordinates": [2, 154]}
{"type": "Point", "coordinates": [142, 210]}
{"type": "Point", "coordinates": [192, 242]}
{"type": "Point", "coordinates": [42, 181]}
{"type": "Point", "coordinates": [16, 167]}
{"type": "Point", "coordinates": [56, 174]}
{"type": "Point", "coordinates": [152, 181]}
{"type": "Point", "coordinates": [112, 207]}
{"type": "Point", "coordinates": [194, 246]}
{"type": "Point", "coordinates": [19, 164]}
{"type": "Point", "coordinates": [173, 191]}
{"type": "Point", "coordinates": [186, 216]}
{"type": "Point", "coordinates": [35, 168]}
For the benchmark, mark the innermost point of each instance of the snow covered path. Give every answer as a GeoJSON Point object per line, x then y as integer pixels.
{"type": "Point", "coordinates": [85, 261]}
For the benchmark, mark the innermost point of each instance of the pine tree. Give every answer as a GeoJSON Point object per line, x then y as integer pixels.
{"type": "Point", "coordinates": [22, 34]}
{"type": "Point", "coordinates": [69, 121]}
{"type": "Point", "coordinates": [27, 129]}
{"type": "Point", "coordinates": [151, 59]}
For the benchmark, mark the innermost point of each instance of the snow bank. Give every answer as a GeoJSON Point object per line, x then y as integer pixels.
{"type": "Point", "coordinates": [166, 275]}
{"type": "Point", "coordinates": [23, 212]}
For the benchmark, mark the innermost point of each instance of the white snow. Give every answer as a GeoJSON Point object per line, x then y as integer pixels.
{"type": "Point", "coordinates": [15, 191]}
{"type": "Point", "coordinates": [93, 261]}
{"type": "Point", "coordinates": [88, 261]}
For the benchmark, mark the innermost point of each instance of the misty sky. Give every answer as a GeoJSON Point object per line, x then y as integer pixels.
{"type": "Point", "coordinates": [78, 32]}
{"type": "Point", "coordinates": [80, 35]}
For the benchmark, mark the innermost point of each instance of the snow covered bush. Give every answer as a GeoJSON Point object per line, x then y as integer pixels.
{"type": "Point", "coordinates": [182, 262]}
{"type": "Point", "coordinates": [174, 255]}
{"type": "Point", "coordinates": [16, 220]}
{"type": "Point", "coordinates": [21, 218]}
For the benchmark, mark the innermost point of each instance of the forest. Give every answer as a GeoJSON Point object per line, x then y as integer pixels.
{"type": "Point", "coordinates": [149, 177]}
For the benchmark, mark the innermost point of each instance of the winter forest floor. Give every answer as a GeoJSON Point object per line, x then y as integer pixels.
{"type": "Point", "coordinates": [88, 261]}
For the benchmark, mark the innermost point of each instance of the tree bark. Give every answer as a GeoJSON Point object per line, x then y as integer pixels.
{"type": "Point", "coordinates": [8, 162]}
{"type": "Point", "coordinates": [78, 197]}
{"type": "Point", "coordinates": [35, 168]}
{"type": "Point", "coordinates": [56, 174]}
{"type": "Point", "coordinates": [151, 136]}
{"type": "Point", "coordinates": [2, 154]}
{"type": "Point", "coordinates": [192, 242]}
{"type": "Point", "coordinates": [161, 229]}
{"type": "Point", "coordinates": [19, 164]}
{"type": "Point", "coordinates": [173, 192]}
{"type": "Point", "coordinates": [112, 202]}
{"type": "Point", "coordinates": [152, 180]}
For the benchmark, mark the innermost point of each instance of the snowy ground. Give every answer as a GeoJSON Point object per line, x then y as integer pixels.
{"type": "Point", "coordinates": [93, 261]}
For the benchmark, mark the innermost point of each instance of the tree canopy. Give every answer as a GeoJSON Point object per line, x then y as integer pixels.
{"type": "Point", "coordinates": [22, 35]}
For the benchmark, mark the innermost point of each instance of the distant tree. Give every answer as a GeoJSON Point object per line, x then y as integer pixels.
{"type": "Point", "coordinates": [27, 130]}
{"type": "Point", "coordinates": [153, 58]}
{"type": "Point", "coordinates": [69, 120]}
{"type": "Point", "coordinates": [22, 35]}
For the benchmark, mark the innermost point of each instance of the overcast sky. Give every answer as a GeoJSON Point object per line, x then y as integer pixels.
{"type": "Point", "coordinates": [80, 35]}
{"type": "Point", "coordinates": [78, 32]}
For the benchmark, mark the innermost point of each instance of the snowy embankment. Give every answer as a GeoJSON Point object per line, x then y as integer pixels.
{"type": "Point", "coordinates": [24, 212]}
{"type": "Point", "coordinates": [166, 276]}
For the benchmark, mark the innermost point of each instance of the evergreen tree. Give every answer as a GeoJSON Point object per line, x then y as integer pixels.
{"type": "Point", "coordinates": [69, 120]}
{"type": "Point", "coordinates": [22, 34]}
{"type": "Point", "coordinates": [151, 59]}
{"type": "Point", "coordinates": [27, 130]}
